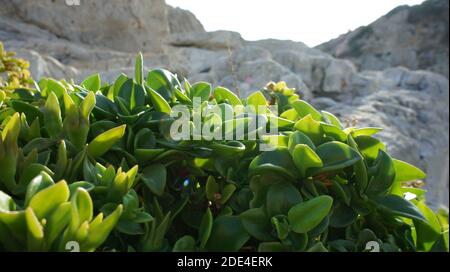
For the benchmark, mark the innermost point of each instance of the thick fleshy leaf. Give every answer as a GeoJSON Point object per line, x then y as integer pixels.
{"type": "Point", "coordinates": [281, 197]}
{"type": "Point", "coordinates": [57, 222]}
{"type": "Point", "coordinates": [334, 132]}
{"type": "Point", "coordinates": [222, 94]}
{"type": "Point", "coordinates": [272, 247]}
{"type": "Point", "coordinates": [384, 176]}
{"type": "Point", "coordinates": [303, 109]}
{"type": "Point", "coordinates": [427, 232]}
{"type": "Point", "coordinates": [256, 99]}
{"type": "Point", "coordinates": [154, 177]}
{"type": "Point", "coordinates": [227, 235]}
{"type": "Point", "coordinates": [276, 161]}
{"type": "Point", "coordinates": [407, 172]}
{"type": "Point", "coordinates": [52, 116]}
{"type": "Point", "coordinates": [49, 198]}
{"type": "Point", "coordinates": [163, 82]}
{"type": "Point", "coordinates": [158, 101]}
{"type": "Point", "coordinates": [103, 142]}
{"type": "Point", "coordinates": [82, 206]}
{"type": "Point", "coordinates": [305, 159]}
{"type": "Point", "coordinates": [201, 90]}
{"type": "Point", "coordinates": [98, 232]}
{"type": "Point", "coordinates": [397, 205]}
{"type": "Point", "coordinates": [184, 244]}
{"type": "Point", "coordinates": [92, 82]}
{"type": "Point", "coordinates": [299, 138]}
{"type": "Point", "coordinates": [257, 224]}
{"type": "Point", "coordinates": [306, 215]}
{"type": "Point", "coordinates": [369, 147]}
{"type": "Point", "coordinates": [310, 128]}
{"type": "Point", "coordinates": [360, 168]}
{"type": "Point", "coordinates": [6, 202]}
{"type": "Point", "coordinates": [335, 156]}
{"type": "Point", "coordinates": [40, 181]}
{"type": "Point", "coordinates": [331, 119]}
{"type": "Point", "coordinates": [139, 69]}
{"type": "Point", "coordinates": [205, 228]}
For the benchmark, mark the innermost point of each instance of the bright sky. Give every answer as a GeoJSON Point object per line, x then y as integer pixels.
{"type": "Point", "coordinates": [309, 21]}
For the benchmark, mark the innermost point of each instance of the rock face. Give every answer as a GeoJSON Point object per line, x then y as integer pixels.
{"type": "Point", "coordinates": [415, 37]}
{"type": "Point", "coordinates": [122, 25]}
{"type": "Point", "coordinates": [411, 105]}
{"type": "Point", "coordinates": [181, 21]}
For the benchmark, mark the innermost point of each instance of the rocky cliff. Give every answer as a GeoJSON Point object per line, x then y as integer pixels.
{"type": "Point", "coordinates": [415, 37]}
{"type": "Point", "coordinates": [103, 36]}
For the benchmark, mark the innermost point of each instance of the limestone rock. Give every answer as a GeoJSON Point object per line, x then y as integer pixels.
{"type": "Point", "coordinates": [130, 26]}
{"type": "Point", "coordinates": [181, 20]}
{"type": "Point", "coordinates": [216, 40]}
{"type": "Point", "coordinates": [415, 37]}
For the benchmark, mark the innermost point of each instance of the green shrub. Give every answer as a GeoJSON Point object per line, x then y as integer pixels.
{"type": "Point", "coordinates": [322, 187]}
{"type": "Point", "coordinates": [14, 73]}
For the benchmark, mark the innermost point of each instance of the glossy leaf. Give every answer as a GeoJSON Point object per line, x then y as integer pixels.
{"type": "Point", "coordinates": [306, 215]}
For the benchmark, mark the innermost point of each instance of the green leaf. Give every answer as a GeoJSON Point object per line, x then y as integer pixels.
{"type": "Point", "coordinates": [304, 109]}
{"type": "Point", "coordinates": [281, 197]}
{"type": "Point", "coordinates": [103, 142]}
{"type": "Point", "coordinates": [369, 147]}
{"type": "Point", "coordinates": [6, 202]}
{"type": "Point", "coordinates": [49, 198]}
{"type": "Point", "coordinates": [211, 188]}
{"type": "Point", "coordinates": [331, 119]}
{"type": "Point", "coordinates": [310, 128]}
{"type": "Point", "coordinates": [92, 82]}
{"type": "Point", "coordinates": [384, 175]}
{"type": "Point", "coordinates": [299, 138]}
{"type": "Point", "coordinates": [35, 231]}
{"type": "Point", "coordinates": [139, 69]}
{"type": "Point", "coordinates": [202, 90]}
{"type": "Point", "coordinates": [82, 206]}
{"type": "Point", "coordinates": [222, 94]}
{"type": "Point", "coordinates": [276, 161]}
{"type": "Point", "coordinates": [256, 99]}
{"type": "Point", "coordinates": [368, 131]}
{"type": "Point", "coordinates": [158, 101]}
{"type": "Point", "coordinates": [154, 177]}
{"type": "Point", "coordinates": [318, 247]}
{"type": "Point", "coordinates": [257, 224]}
{"type": "Point", "coordinates": [56, 88]}
{"type": "Point", "coordinates": [399, 206]}
{"type": "Point", "coordinates": [57, 221]}
{"type": "Point", "coordinates": [184, 244]}
{"type": "Point", "coordinates": [335, 156]}
{"type": "Point", "coordinates": [360, 169]}
{"type": "Point", "coordinates": [305, 159]}
{"type": "Point", "coordinates": [227, 192]}
{"type": "Point", "coordinates": [163, 82]}
{"type": "Point", "coordinates": [342, 216]}
{"type": "Point", "coordinates": [205, 228]}
{"type": "Point", "coordinates": [306, 215]}
{"type": "Point", "coordinates": [407, 172]}
{"type": "Point", "coordinates": [272, 247]}
{"type": "Point", "coordinates": [100, 231]}
{"type": "Point", "coordinates": [334, 132]}
{"type": "Point", "coordinates": [52, 116]}
{"type": "Point", "coordinates": [281, 226]}
{"type": "Point", "coordinates": [427, 232]}
{"type": "Point", "coordinates": [40, 181]}
{"type": "Point", "coordinates": [227, 235]}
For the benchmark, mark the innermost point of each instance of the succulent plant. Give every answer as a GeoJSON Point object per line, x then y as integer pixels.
{"type": "Point", "coordinates": [321, 187]}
